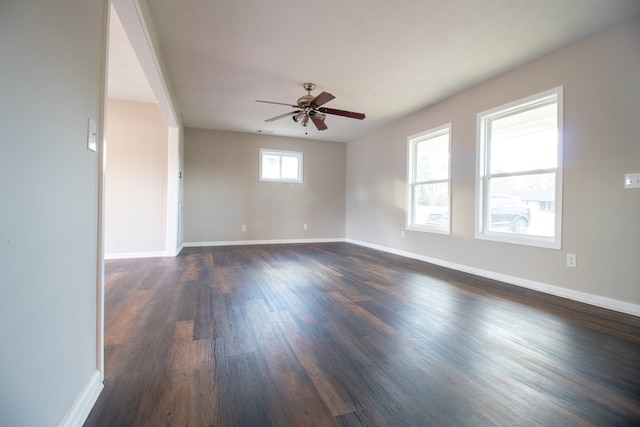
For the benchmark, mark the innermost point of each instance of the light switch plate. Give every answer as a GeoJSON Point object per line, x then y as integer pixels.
{"type": "Point", "coordinates": [92, 135]}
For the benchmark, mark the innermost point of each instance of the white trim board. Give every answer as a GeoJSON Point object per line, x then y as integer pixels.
{"type": "Point", "coordinates": [81, 408]}
{"type": "Point", "coordinates": [261, 242]}
{"type": "Point", "coordinates": [179, 249]}
{"type": "Point", "coordinates": [159, 254]}
{"type": "Point", "coordinates": [128, 255]}
{"type": "Point", "coordinates": [583, 297]}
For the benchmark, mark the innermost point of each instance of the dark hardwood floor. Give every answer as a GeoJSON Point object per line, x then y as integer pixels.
{"type": "Point", "coordinates": [334, 334]}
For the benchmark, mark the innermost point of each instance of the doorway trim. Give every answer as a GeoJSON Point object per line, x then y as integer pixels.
{"type": "Point", "coordinates": [135, 18]}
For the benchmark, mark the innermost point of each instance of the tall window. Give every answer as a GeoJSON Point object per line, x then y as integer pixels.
{"type": "Point", "coordinates": [280, 166]}
{"type": "Point", "coordinates": [519, 184]}
{"type": "Point", "coordinates": [428, 193]}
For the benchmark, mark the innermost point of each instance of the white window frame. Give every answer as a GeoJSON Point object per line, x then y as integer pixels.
{"type": "Point", "coordinates": [281, 154]}
{"type": "Point", "coordinates": [482, 178]}
{"type": "Point", "coordinates": [412, 142]}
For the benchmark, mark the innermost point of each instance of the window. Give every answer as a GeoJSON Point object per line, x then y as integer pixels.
{"type": "Point", "coordinates": [428, 198]}
{"type": "Point", "coordinates": [280, 166]}
{"type": "Point", "coordinates": [519, 183]}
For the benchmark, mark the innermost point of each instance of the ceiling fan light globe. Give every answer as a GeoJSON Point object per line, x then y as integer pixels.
{"type": "Point", "coordinates": [298, 116]}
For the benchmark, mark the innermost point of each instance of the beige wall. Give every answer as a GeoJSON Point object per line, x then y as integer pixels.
{"type": "Point", "coordinates": [136, 179]}
{"type": "Point", "coordinates": [222, 190]}
{"type": "Point", "coordinates": [601, 79]}
{"type": "Point", "coordinates": [51, 55]}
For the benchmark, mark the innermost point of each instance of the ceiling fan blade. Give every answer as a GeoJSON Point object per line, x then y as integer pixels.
{"type": "Point", "coordinates": [323, 98]}
{"type": "Point", "coordinates": [342, 113]}
{"type": "Point", "coordinates": [278, 103]}
{"type": "Point", "coordinates": [282, 116]}
{"type": "Point", "coordinates": [319, 123]}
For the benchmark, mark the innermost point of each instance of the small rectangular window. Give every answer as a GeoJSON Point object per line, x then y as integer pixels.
{"type": "Point", "coordinates": [280, 166]}
{"type": "Point", "coordinates": [428, 189]}
{"type": "Point", "coordinates": [519, 183]}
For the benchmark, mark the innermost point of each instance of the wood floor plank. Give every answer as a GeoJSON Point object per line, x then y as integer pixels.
{"type": "Point", "coordinates": [333, 393]}
{"type": "Point", "coordinates": [126, 317]}
{"type": "Point", "coordinates": [333, 334]}
{"type": "Point", "coordinates": [203, 389]}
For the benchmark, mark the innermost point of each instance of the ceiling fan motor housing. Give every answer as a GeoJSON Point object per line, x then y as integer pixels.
{"type": "Point", "coordinates": [305, 101]}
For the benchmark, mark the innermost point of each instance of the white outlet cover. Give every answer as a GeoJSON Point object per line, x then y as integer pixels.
{"type": "Point", "coordinates": [631, 180]}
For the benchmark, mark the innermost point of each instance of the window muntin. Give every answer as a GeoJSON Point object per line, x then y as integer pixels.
{"type": "Point", "coordinates": [519, 191]}
{"type": "Point", "coordinates": [428, 175]}
{"type": "Point", "coordinates": [281, 166]}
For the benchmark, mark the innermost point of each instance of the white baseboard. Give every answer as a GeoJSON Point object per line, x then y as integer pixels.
{"type": "Point", "coordinates": [154, 254]}
{"type": "Point", "coordinates": [179, 249]}
{"type": "Point", "coordinates": [79, 412]}
{"type": "Point", "coordinates": [260, 242]}
{"type": "Point", "coordinates": [129, 255]}
{"type": "Point", "coordinates": [596, 300]}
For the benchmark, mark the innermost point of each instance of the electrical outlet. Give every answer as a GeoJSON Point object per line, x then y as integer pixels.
{"type": "Point", "coordinates": [631, 180]}
{"type": "Point", "coordinates": [244, 228]}
{"type": "Point", "coordinates": [572, 260]}
{"type": "Point", "coordinates": [304, 226]}
{"type": "Point", "coordinates": [402, 234]}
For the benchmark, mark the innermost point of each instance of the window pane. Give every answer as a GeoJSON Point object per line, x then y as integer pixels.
{"type": "Point", "coordinates": [522, 204]}
{"type": "Point", "coordinates": [524, 141]}
{"type": "Point", "coordinates": [520, 171]}
{"type": "Point", "coordinates": [289, 167]}
{"type": "Point", "coordinates": [281, 166]}
{"type": "Point", "coordinates": [270, 166]}
{"type": "Point", "coordinates": [428, 205]}
{"type": "Point", "coordinates": [432, 159]}
{"type": "Point", "coordinates": [431, 205]}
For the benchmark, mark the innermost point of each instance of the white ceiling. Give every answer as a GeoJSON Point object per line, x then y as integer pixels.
{"type": "Point", "coordinates": [385, 59]}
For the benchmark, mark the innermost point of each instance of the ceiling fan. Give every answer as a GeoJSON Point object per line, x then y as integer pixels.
{"type": "Point", "coordinates": [309, 107]}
